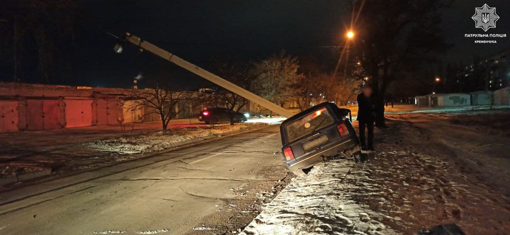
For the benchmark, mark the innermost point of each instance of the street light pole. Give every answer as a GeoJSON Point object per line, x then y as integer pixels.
{"type": "Point", "coordinates": [206, 74]}
{"type": "Point", "coordinates": [436, 81]}
{"type": "Point", "coordinates": [350, 36]}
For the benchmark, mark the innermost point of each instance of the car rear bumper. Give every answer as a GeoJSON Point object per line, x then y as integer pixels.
{"type": "Point", "coordinates": [323, 154]}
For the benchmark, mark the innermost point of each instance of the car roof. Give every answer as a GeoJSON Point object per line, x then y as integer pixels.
{"type": "Point", "coordinates": [310, 110]}
{"type": "Point", "coordinates": [302, 114]}
{"type": "Point", "coordinates": [212, 109]}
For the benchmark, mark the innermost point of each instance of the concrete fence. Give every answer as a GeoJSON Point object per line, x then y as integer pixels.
{"type": "Point", "coordinates": [8, 116]}
{"type": "Point", "coordinates": [499, 97]}
{"type": "Point", "coordinates": [46, 114]}
{"type": "Point", "coordinates": [502, 96]}
{"type": "Point", "coordinates": [481, 97]}
{"type": "Point", "coordinates": [31, 107]}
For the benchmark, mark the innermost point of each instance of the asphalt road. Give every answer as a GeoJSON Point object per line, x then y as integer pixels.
{"type": "Point", "coordinates": [207, 188]}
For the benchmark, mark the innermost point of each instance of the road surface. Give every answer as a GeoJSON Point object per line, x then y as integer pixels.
{"type": "Point", "coordinates": [213, 187]}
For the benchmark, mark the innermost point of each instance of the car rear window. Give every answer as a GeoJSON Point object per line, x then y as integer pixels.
{"type": "Point", "coordinates": [308, 124]}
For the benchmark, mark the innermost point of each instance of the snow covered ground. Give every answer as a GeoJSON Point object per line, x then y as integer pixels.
{"type": "Point", "coordinates": [157, 141]}
{"type": "Point", "coordinates": [430, 168]}
{"type": "Point", "coordinates": [320, 203]}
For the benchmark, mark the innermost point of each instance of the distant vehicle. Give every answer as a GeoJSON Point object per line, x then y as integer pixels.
{"type": "Point", "coordinates": [220, 115]}
{"type": "Point", "coordinates": [316, 135]}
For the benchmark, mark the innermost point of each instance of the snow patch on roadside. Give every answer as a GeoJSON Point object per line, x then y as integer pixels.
{"type": "Point", "coordinates": [319, 203]}
{"type": "Point", "coordinates": [204, 228]}
{"type": "Point", "coordinates": [154, 231]}
{"type": "Point", "coordinates": [136, 232]}
{"type": "Point", "coordinates": [110, 232]}
{"type": "Point", "coordinates": [157, 141]}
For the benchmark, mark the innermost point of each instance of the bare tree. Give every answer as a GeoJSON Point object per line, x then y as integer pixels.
{"type": "Point", "coordinates": [341, 89]}
{"type": "Point", "coordinates": [277, 79]}
{"type": "Point", "coordinates": [306, 87]}
{"type": "Point", "coordinates": [394, 38]}
{"type": "Point", "coordinates": [161, 100]}
{"type": "Point", "coordinates": [239, 73]}
{"type": "Point", "coordinates": [316, 86]}
{"type": "Point", "coordinates": [323, 87]}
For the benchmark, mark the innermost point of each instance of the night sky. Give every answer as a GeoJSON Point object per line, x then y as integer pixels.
{"type": "Point", "coordinates": [198, 30]}
{"type": "Point", "coordinates": [457, 22]}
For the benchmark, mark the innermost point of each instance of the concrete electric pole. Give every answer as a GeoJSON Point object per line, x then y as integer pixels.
{"type": "Point", "coordinates": [207, 75]}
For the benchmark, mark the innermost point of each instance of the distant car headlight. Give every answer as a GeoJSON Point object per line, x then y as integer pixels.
{"type": "Point", "coordinates": [247, 115]}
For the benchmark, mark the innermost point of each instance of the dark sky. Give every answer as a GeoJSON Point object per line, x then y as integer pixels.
{"type": "Point", "coordinates": [457, 22]}
{"type": "Point", "coordinates": [198, 30]}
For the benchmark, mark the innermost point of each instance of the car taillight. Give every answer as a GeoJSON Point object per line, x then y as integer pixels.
{"type": "Point", "coordinates": [288, 154]}
{"type": "Point", "coordinates": [342, 129]}
{"type": "Point", "coordinates": [205, 113]}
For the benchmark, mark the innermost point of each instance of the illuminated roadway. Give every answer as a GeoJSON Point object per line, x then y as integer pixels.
{"type": "Point", "coordinates": [177, 192]}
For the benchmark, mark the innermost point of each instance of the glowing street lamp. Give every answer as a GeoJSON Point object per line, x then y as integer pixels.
{"type": "Point", "coordinates": [434, 88]}
{"type": "Point", "coordinates": [350, 35]}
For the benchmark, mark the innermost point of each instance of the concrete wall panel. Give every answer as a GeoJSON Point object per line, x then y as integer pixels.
{"type": "Point", "coordinates": [133, 111]}
{"type": "Point", "coordinates": [151, 114]}
{"type": "Point", "coordinates": [456, 100]}
{"type": "Point", "coordinates": [8, 116]}
{"type": "Point", "coordinates": [481, 98]}
{"type": "Point", "coordinates": [34, 115]}
{"type": "Point", "coordinates": [101, 112]}
{"type": "Point", "coordinates": [502, 96]}
{"type": "Point", "coordinates": [115, 115]}
{"type": "Point", "coordinates": [51, 114]}
{"type": "Point", "coordinates": [78, 113]}
{"type": "Point", "coordinates": [43, 115]}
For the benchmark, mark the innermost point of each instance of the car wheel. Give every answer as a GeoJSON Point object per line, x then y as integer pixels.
{"type": "Point", "coordinates": [353, 153]}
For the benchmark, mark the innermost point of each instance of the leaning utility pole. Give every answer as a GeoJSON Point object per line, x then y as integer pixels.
{"type": "Point", "coordinates": [207, 75]}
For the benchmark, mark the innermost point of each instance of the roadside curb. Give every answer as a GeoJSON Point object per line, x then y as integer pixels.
{"type": "Point", "coordinates": [24, 177]}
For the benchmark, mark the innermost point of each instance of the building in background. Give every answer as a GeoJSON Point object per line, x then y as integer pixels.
{"type": "Point", "coordinates": [26, 107]}
{"type": "Point", "coordinates": [488, 73]}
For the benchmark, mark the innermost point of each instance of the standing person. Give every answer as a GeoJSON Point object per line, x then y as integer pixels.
{"type": "Point", "coordinates": [366, 118]}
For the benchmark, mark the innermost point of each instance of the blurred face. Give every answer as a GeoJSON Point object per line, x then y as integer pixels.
{"type": "Point", "coordinates": [367, 91]}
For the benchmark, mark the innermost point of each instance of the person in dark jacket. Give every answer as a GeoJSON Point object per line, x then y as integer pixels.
{"type": "Point", "coordinates": [366, 118]}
